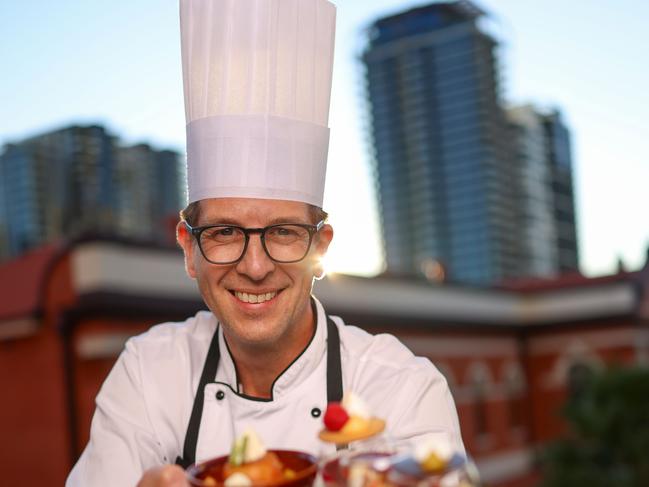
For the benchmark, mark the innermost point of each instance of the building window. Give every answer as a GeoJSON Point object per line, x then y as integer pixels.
{"type": "Point", "coordinates": [480, 409]}
{"type": "Point", "coordinates": [515, 396]}
{"type": "Point", "coordinates": [479, 384]}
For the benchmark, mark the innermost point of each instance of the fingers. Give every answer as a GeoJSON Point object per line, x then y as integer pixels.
{"type": "Point", "coordinates": [164, 476]}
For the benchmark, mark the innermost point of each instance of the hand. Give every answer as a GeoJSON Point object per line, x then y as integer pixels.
{"type": "Point", "coordinates": [164, 476]}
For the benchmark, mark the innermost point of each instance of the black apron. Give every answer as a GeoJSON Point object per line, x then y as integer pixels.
{"type": "Point", "coordinates": [334, 387]}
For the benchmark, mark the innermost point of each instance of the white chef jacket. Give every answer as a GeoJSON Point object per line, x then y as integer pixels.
{"type": "Point", "coordinates": [143, 408]}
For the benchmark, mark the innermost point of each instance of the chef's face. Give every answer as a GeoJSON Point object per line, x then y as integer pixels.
{"type": "Point", "coordinates": [288, 285]}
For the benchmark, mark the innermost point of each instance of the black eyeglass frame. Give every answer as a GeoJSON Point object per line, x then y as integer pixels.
{"type": "Point", "coordinates": [312, 229]}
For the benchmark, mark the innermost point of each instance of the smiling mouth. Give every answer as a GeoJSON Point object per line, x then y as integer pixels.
{"type": "Point", "coordinates": [254, 298]}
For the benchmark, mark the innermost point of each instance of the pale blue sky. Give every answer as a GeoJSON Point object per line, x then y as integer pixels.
{"type": "Point", "coordinates": [118, 63]}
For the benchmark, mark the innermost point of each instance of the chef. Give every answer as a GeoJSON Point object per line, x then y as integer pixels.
{"type": "Point", "coordinates": [257, 82]}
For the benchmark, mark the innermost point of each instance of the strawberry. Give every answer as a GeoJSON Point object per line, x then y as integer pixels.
{"type": "Point", "coordinates": [335, 416]}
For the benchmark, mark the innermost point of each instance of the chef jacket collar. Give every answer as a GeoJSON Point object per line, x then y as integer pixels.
{"type": "Point", "coordinates": [298, 371]}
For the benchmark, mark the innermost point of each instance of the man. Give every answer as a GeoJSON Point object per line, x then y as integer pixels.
{"type": "Point", "coordinates": [257, 76]}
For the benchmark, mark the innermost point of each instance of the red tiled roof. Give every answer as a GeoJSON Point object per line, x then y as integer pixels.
{"type": "Point", "coordinates": [564, 281]}
{"type": "Point", "coordinates": [21, 280]}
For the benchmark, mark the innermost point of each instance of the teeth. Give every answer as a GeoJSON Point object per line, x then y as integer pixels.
{"type": "Point", "coordinates": [254, 298]}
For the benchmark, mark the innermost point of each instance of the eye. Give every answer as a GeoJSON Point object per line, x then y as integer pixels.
{"type": "Point", "coordinates": [224, 232]}
{"type": "Point", "coordinates": [282, 232]}
{"type": "Point", "coordinates": [287, 234]}
{"type": "Point", "coordinates": [221, 234]}
{"type": "Point", "coordinates": [285, 231]}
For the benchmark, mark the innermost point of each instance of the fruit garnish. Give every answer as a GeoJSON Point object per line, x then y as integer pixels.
{"type": "Point", "coordinates": [355, 425]}
{"type": "Point", "coordinates": [247, 448]}
{"type": "Point", "coordinates": [355, 406]}
{"type": "Point", "coordinates": [237, 479]}
{"type": "Point", "coordinates": [209, 482]}
{"type": "Point", "coordinates": [349, 420]}
{"type": "Point", "coordinates": [335, 417]}
{"type": "Point", "coordinates": [433, 463]}
{"type": "Point", "coordinates": [238, 451]}
{"type": "Point", "coordinates": [250, 463]}
{"type": "Point", "coordinates": [433, 455]}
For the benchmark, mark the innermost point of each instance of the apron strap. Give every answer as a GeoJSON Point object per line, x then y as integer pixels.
{"type": "Point", "coordinates": [334, 366]}
{"type": "Point", "coordinates": [207, 376]}
{"type": "Point", "coordinates": [334, 387]}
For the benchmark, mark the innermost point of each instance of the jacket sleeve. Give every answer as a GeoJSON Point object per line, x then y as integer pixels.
{"type": "Point", "coordinates": [122, 441]}
{"type": "Point", "coordinates": [409, 392]}
{"type": "Point", "coordinates": [428, 409]}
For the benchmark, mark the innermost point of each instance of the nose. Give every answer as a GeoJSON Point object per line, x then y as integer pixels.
{"type": "Point", "coordinates": [255, 263]}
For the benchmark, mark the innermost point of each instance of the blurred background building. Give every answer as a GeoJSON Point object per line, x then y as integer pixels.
{"type": "Point", "coordinates": [546, 204]}
{"type": "Point", "coordinates": [511, 356]}
{"type": "Point", "coordinates": [460, 185]}
{"type": "Point", "coordinates": [79, 180]}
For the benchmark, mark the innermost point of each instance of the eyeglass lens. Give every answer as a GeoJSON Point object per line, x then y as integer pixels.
{"type": "Point", "coordinates": [283, 243]}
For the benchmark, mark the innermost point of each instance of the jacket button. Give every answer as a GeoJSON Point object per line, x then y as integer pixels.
{"type": "Point", "coordinates": [315, 412]}
{"type": "Point", "coordinates": [220, 394]}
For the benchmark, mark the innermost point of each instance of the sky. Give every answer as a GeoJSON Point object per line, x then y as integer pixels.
{"type": "Point", "coordinates": [118, 64]}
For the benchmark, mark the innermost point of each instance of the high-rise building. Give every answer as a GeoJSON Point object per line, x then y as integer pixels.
{"type": "Point", "coordinates": [559, 154]}
{"type": "Point", "coordinates": [446, 163]}
{"type": "Point", "coordinates": [443, 163]}
{"type": "Point", "coordinates": [4, 242]}
{"type": "Point", "coordinates": [57, 184]}
{"type": "Point", "coordinates": [148, 190]}
{"type": "Point", "coordinates": [79, 180]}
{"type": "Point", "coordinates": [546, 214]}
{"type": "Point", "coordinates": [536, 215]}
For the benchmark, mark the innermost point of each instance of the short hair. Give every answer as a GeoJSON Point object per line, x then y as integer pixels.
{"type": "Point", "coordinates": [192, 212]}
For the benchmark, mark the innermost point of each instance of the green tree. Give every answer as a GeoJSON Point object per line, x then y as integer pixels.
{"type": "Point", "coordinates": [608, 440]}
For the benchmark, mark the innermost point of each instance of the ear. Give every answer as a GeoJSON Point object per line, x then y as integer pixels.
{"type": "Point", "coordinates": [321, 244]}
{"type": "Point", "coordinates": [323, 239]}
{"type": "Point", "coordinates": [186, 242]}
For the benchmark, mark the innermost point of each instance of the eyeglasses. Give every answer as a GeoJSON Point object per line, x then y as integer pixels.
{"type": "Point", "coordinates": [284, 243]}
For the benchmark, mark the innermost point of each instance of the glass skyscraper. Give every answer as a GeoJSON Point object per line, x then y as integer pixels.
{"type": "Point", "coordinates": [535, 210]}
{"type": "Point", "coordinates": [559, 156]}
{"type": "Point", "coordinates": [446, 165]}
{"type": "Point", "coordinates": [79, 180]}
{"type": "Point", "coordinates": [546, 197]}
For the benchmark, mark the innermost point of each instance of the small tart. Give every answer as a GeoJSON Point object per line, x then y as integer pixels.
{"type": "Point", "coordinates": [374, 427]}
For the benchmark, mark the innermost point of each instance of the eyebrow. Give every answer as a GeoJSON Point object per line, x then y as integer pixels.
{"type": "Point", "coordinates": [274, 221]}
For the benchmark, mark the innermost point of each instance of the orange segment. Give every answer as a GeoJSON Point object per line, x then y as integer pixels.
{"type": "Point", "coordinates": [373, 426]}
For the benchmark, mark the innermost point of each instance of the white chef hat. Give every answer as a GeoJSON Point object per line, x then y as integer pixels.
{"type": "Point", "coordinates": [257, 82]}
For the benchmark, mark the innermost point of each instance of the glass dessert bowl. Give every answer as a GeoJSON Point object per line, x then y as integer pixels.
{"type": "Point", "coordinates": [280, 468]}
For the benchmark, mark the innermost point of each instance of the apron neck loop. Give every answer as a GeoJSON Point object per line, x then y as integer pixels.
{"type": "Point", "coordinates": [334, 386]}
